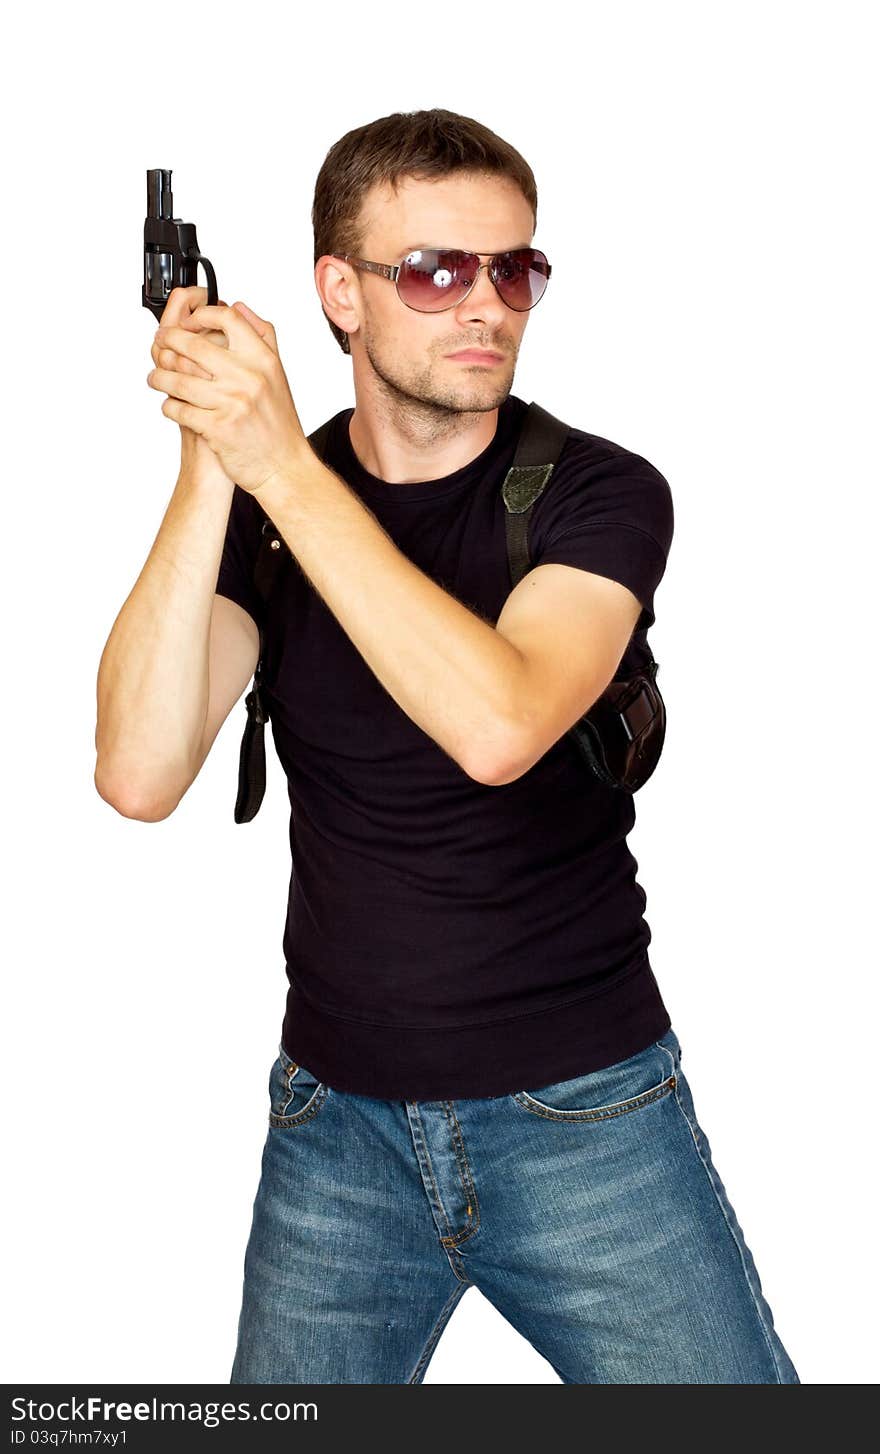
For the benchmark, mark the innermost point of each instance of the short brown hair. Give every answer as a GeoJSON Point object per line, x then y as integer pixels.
{"type": "Point", "coordinates": [418, 144]}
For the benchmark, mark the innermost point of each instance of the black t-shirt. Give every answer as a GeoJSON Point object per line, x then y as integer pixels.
{"type": "Point", "coordinates": [445, 938]}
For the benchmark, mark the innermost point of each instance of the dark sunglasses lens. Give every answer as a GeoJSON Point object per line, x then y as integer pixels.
{"type": "Point", "coordinates": [431, 278]}
{"type": "Point", "coordinates": [521, 277]}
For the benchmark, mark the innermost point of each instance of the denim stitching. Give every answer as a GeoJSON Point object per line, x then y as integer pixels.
{"type": "Point", "coordinates": [291, 1071]}
{"type": "Point", "coordinates": [761, 1319]}
{"type": "Point", "coordinates": [457, 1264]}
{"type": "Point", "coordinates": [465, 1177]}
{"type": "Point", "coordinates": [443, 1318]}
{"type": "Point", "coordinates": [310, 1109]}
{"type": "Point", "coordinates": [430, 1164]}
{"type": "Point", "coordinates": [622, 1108]}
{"type": "Point", "coordinates": [666, 1051]}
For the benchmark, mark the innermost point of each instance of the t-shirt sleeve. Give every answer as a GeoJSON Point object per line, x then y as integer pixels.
{"type": "Point", "coordinates": [240, 546]}
{"type": "Point", "coordinates": [609, 511]}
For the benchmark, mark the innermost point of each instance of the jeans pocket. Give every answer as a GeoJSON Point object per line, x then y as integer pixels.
{"type": "Point", "coordinates": [295, 1094]}
{"type": "Point", "coordinates": [615, 1090]}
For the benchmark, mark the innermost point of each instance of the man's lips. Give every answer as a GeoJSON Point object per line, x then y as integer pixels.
{"type": "Point", "coordinates": [477, 355]}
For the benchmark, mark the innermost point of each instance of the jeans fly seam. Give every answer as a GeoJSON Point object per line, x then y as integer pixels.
{"type": "Point", "coordinates": [430, 1165]}
{"type": "Point", "coordinates": [464, 1173]}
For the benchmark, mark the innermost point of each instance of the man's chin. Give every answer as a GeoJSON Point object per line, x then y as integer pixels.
{"type": "Point", "coordinates": [470, 395]}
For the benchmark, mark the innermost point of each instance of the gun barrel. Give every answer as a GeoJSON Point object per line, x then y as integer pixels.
{"type": "Point", "coordinates": [160, 198]}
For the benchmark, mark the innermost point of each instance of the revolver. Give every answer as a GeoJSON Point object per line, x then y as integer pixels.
{"type": "Point", "coordinates": [171, 251]}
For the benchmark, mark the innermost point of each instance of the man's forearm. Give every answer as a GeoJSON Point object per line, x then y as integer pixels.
{"type": "Point", "coordinates": [450, 671]}
{"type": "Point", "coordinates": [152, 689]}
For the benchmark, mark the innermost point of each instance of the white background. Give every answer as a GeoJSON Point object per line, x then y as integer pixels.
{"type": "Point", "coordinates": [707, 182]}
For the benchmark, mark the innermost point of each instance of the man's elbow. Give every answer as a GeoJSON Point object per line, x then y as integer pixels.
{"type": "Point", "coordinates": [129, 806]}
{"type": "Point", "coordinates": [503, 762]}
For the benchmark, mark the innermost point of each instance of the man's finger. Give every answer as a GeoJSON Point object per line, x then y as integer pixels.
{"type": "Point", "coordinates": [231, 322]}
{"type": "Point", "coordinates": [181, 302]}
{"type": "Point", "coordinates": [186, 322]}
{"type": "Point", "coordinates": [212, 357]}
{"type": "Point", "coordinates": [167, 358]}
{"type": "Point", "coordinates": [262, 326]}
{"type": "Point", "coordinates": [182, 386]}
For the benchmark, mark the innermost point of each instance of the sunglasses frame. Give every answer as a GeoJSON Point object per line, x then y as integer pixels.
{"type": "Point", "coordinates": [392, 272]}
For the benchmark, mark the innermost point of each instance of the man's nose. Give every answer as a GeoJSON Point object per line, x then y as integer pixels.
{"type": "Point", "coordinates": [483, 300]}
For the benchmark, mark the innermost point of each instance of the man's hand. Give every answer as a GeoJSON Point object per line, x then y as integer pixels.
{"type": "Point", "coordinates": [195, 454]}
{"type": "Point", "coordinates": [234, 397]}
{"type": "Point", "coordinates": [182, 303]}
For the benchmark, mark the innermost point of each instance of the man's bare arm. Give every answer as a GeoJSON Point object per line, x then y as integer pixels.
{"type": "Point", "coordinates": [153, 685]}
{"type": "Point", "coordinates": [448, 669]}
{"type": "Point", "coordinates": [470, 686]}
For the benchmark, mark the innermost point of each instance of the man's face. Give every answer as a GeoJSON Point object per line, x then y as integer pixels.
{"type": "Point", "coordinates": [408, 350]}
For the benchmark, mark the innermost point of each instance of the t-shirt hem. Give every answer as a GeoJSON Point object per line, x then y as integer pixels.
{"type": "Point", "coordinates": [478, 1060]}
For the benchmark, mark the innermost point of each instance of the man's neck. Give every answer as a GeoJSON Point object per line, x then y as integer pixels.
{"type": "Point", "coordinates": [420, 446]}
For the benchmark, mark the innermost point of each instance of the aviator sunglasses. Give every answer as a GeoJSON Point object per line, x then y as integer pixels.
{"type": "Point", "coordinates": [430, 279]}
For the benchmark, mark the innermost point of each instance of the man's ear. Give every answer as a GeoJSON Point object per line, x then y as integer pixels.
{"type": "Point", "coordinates": [333, 287]}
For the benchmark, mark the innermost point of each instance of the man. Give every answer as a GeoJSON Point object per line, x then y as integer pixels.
{"type": "Point", "coordinates": [478, 1081]}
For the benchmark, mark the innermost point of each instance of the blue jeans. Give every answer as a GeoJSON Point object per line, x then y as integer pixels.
{"type": "Point", "coordinates": [588, 1212]}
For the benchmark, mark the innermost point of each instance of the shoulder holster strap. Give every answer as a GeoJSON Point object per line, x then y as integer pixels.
{"type": "Point", "coordinates": [621, 736]}
{"type": "Point", "coordinates": [540, 443]}
{"type": "Point", "coordinates": [271, 555]}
